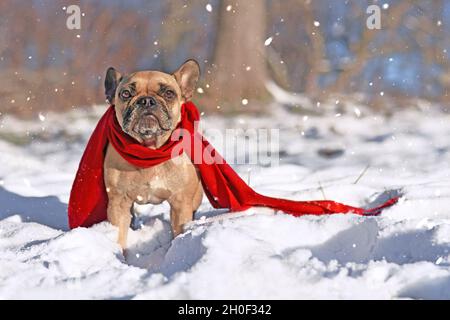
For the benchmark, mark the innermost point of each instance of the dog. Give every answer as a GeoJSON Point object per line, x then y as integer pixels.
{"type": "Point", "coordinates": [148, 108]}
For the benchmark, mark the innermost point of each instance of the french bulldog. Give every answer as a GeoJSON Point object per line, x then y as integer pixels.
{"type": "Point", "coordinates": [148, 108]}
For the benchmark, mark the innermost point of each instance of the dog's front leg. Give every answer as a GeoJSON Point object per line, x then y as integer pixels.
{"type": "Point", "coordinates": [119, 215]}
{"type": "Point", "coordinates": [180, 213]}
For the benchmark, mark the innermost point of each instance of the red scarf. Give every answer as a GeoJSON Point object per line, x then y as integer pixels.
{"type": "Point", "coordinates": [222, 185]}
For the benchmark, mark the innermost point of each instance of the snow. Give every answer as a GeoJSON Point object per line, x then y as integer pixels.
{"type": "Point", "coordinates": [402, 254]}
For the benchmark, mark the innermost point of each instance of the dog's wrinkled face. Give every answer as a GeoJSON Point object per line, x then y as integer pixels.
{"type": "Point", "coordinates": [148, 103]}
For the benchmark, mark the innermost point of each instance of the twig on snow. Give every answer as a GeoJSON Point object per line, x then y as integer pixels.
{"type": "Point", "coordinates": [362, 174]}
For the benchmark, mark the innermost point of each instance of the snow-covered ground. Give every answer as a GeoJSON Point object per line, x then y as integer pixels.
{"type": "Point", "coordinates": [404, 253]}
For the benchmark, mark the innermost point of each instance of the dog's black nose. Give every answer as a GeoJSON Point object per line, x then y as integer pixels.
{"type": "Point", "coordinates": [146, 102]}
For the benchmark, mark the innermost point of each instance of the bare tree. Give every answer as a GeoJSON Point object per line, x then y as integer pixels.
{"type": "Point", "coordinates": [362, 49]}
{"type": "Point", "coordinates": [238, 70]}
{"type": "Point", "coordinates": [316, 57]}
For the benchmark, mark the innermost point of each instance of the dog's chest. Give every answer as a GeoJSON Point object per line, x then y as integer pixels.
{"type": "Point", "coordinates": [171, 177]}
{"type": "Point", "coordinates": [149, 185]}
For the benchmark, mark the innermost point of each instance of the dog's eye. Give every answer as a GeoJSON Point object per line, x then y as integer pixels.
{"type": "Point", "coordinates": [125, 94]}
{"type": "Point", "coordinates": [169, 94]}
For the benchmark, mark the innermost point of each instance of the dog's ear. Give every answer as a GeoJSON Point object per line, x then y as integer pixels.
{"type": "Point", "coordinates": [187, 76]}
{"type": "Point", "coordinates": [112, 80]}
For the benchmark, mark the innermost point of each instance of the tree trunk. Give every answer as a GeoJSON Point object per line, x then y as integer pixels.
{"type": "Point", "coordinates": [238, 70]}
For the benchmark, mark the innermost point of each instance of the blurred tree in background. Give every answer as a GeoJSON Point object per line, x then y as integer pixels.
{"type": "Point", "coordinates": [238, 70]}
{"type": "Point", "coordinates": [318, 49]}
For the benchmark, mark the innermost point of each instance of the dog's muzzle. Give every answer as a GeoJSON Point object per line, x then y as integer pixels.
{"type": "Point", "coordinates": [146, 102]}
{"type": "Point", "coordinates": [146, 117]}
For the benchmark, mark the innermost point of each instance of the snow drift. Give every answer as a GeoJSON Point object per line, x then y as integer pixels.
{"type": "Point", "coordinates": [404, 253]}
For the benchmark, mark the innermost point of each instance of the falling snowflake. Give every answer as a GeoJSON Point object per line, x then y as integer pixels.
{"type": "Point", "coordinates": [244, 102]}
{"type": "Point", "coordinates": [268, 41]}
{"type": "Point", "coordinates": [229, 7]}
{"type": "Point", "coordinates": [316, 23]}
{"type": "Point", "coordinates": [209, 7]}
{"type": "Point", "coordinates": [41, 117]}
